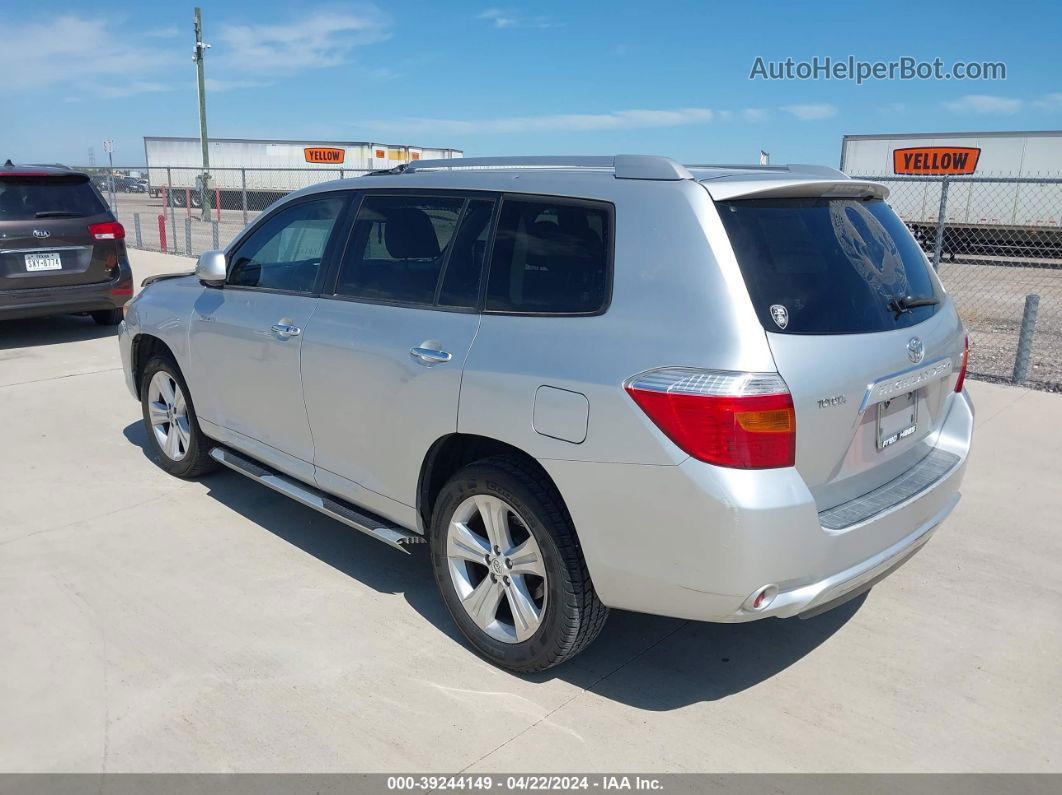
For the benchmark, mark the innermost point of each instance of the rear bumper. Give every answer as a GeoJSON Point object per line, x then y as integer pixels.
{"type": "Point", "coordinates": [696, 541]}
{"type": "Point", "coordinates": [42, 301]}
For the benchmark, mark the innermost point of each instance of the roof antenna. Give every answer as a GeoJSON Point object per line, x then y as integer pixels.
{"type": "Point", "coordinates": [8, 164]}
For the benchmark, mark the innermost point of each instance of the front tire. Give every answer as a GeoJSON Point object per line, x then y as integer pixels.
{"type": "Point", "coordinates": [508, 563]}
{"type": "Point", "coordinates": [174, 437]}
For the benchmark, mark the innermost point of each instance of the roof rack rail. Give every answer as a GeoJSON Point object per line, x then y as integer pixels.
{"type": "Point", "coordinates": [622, 166]}
{"type": "Point", "coordinates": [802, 168]}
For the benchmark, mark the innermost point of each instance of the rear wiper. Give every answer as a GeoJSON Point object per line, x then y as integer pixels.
{"type": "Point", "coordinates": [56, 214]}
{"type": "Point", "coordinates": [905, 303]}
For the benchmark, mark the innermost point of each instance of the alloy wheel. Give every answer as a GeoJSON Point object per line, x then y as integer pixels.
{"type": "Point", "coordinates": [496, 567]}
{"type": "Point", "coordinates": [168, 414]}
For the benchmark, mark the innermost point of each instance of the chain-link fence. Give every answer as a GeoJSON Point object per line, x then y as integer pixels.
{"type": "Point", "coordinates": [997, 244]}
{"type": "Point", "coordinates": [178, 211]}
{"type": "Point", "coordinates": [998, 249]}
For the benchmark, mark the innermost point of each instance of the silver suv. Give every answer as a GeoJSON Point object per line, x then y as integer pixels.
{"type": "Point", "coordinates": [718, 393]}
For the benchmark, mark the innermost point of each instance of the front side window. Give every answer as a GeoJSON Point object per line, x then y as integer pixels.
{"type": "Point", "coordinates": [550, 256]}
{"type": "Point", "coordinates": [398, 247]}
{"type": "Point", "coordinates": [285, 252]}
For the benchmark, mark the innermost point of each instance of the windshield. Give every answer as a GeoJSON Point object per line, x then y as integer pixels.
{"type": "Point", "coordinates": [829, 266]}
{"type": "Point", "coordinates": [24, 198]}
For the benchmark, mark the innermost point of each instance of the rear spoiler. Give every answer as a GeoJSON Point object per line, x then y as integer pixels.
{"type": "Point", "coordinates": [769, 186]}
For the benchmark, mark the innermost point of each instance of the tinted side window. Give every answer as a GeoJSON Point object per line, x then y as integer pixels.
{"type": "Point", "coordinates": [398, 247]}
{"type": "Point", "coordinates": [285, 252]}
{"type": "Point", "coordinates": [550, 256]}
{"type": "Point", "coordinates": [460, 282]}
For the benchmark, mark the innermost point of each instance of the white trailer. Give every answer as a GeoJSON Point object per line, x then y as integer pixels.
{"type": "Point", "coordinates": [259, 171]}
{"type": "Point", "coordinates": [995, 202]}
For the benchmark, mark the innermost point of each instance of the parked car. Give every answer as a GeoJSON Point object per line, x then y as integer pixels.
{"type": "Point", "coordinates": [716, 393]}
{"type": "Point", "coordinates": [131, 184]}
{"type": "Point", "coordinates": [61, 248]}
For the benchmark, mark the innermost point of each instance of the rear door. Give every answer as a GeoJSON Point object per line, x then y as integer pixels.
{"type": "Point", "coordinates": [860, 329]}
{"type": "Point", "coordinates": [45, 235]}
{"type": "Point", "coordinates": [383, 355]}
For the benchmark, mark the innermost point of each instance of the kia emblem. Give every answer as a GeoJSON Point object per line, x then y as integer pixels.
{"type": "Point", "coordinates": [41, 233]}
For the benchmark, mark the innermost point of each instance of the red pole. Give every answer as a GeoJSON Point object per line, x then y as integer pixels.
{"type": "Point", "coordinates": [162, 232]}
{"type": "Point", "coordinates": [217, 204]}
{"type": "Point", "coordinates": [188, 200]}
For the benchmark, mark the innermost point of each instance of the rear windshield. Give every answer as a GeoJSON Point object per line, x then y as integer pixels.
{"type": "Point", "coordinates": [25, 198]}
{"type": "Point", "coordinates": [828, 266]}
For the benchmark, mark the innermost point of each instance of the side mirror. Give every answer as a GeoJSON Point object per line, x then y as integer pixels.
{"type": "Point", "coordinates": [210, 268]}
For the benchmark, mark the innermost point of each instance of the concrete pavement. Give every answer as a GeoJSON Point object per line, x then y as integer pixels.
{"type": "Point", "coordinates": [150, 624]}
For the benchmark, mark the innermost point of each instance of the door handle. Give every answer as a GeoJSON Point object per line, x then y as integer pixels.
{"type": "Point", "coordinates": [429, 355]}
{"type": "Point", "coordinates": [286, 330]}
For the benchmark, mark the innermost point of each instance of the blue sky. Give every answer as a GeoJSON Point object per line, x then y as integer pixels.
{"type": "Point", "coordinates": [514, 78]}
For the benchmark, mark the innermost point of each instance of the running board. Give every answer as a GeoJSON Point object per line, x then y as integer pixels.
{"type": "Point", "coordinates": [316, 499]}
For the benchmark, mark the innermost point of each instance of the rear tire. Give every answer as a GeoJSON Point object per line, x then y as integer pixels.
{"type": "Point", "coordinates": [175, 440]}
{"type": "Point", "coordinates": [108, 317]}
{"type": "Point", "coordinates": [522, 596]}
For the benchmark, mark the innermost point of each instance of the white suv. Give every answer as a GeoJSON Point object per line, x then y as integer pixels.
{"type": "Point", "coordinates": [719, 393]}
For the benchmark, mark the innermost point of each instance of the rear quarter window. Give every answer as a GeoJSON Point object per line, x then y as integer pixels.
{"type": "Point", "coordinates": [551, 256]}
{"type": "Point", "coordinates": [828, 266]}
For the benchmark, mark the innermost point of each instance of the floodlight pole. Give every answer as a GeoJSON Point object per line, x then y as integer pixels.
{"type": "Point", "coordinates": [200, 49]}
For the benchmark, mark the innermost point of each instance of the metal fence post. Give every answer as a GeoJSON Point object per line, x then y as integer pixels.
{"type": "Point", "coordinates": [243, 193]}
{"type": "Point", "coordinates": [169, 200]}
{"type": "Point", "coordinates": [188, 237]}
{"type": "Point", "coordinates": [938, 244]}
{"type": "Point", "coordinates": [1025, 338]}
{"type": "Point", "coordinates": [162, 232]}
{"type": "Point", "coordinates": [136, 229]}
{"type": "Point", "coordinates": [216, 246]}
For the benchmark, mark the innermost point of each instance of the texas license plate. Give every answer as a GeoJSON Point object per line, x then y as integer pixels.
{"type": "Point", "coordinates": [44, 262]}
{"type": "Point", "coordinates": [897, 419]}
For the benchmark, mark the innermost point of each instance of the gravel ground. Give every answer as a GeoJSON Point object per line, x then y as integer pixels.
{"type": "Point", "coordinates": [991, 300]}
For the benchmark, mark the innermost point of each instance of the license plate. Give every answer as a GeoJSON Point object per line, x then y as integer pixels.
{"type": "Point", "coordinates": [897, 419]}
{"type": "Point", "coordinates": [44, 262]}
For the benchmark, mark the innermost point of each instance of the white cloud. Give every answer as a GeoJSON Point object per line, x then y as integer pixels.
{"type": "Point", "coordinates": [811, 111]}
{"type": "Point", "coordinates": [1049, 102]}
{"type": "Point", "coordinates": [508, 18]}
{"type": "Point", "coordinates": [557, 122]}
{"type": "Point", "coordinates": [754, 114]}
{"type": "Point", "coordinates": [984, 103]}
{"type": "Point", "coordinates": [216, 86]}
{"type": "Point", "coordinates": [73, 50]}
{"type": "Point", "coordinates": [168, 32]}
{"type": "Point", "coordinates": [128, 89]}
{"type": "Point", "coordinates": [319, 38]}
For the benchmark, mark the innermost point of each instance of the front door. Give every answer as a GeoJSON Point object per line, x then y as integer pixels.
{"type": "Point", "coordinates": [382, 358]}
{"type": "Point", "coordinates": [248, 335]}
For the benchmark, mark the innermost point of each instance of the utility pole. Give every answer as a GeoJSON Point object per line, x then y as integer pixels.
{"type": "Point", "coordinates": [200, 49]}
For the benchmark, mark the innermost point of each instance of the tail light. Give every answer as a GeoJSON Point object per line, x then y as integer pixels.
{"type": "Point", "coordinates": [962, 369]}
{"type": "Point", "coordinates": [108, 230]}
{"type": "Point", "coordinates": [730, 419]}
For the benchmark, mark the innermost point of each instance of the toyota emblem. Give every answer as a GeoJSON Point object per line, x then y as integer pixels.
{"type": "Point", "coordinates": [916, 351]}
